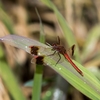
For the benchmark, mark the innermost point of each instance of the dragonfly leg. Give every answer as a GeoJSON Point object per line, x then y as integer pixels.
{"type": "Point", "coordinates": [59, 58]}
{"type": "Point", "coordinates": [52, 54]}
{"type": "Point", "coordinates": [48, 44]}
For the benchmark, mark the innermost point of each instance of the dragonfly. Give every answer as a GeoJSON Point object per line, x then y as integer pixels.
{"type": "Point", "coordinates": [39, 50]}
{"type": "Point", "coordinates": [59, 49]}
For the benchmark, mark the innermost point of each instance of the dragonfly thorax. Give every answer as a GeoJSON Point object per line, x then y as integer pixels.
{"type": "Point", "coordinates": [59, 48]}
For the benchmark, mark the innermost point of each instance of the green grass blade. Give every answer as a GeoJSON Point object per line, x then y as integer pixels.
{"type": "Point", "coordinates": [88, 84]}
{"type": "Point", "coordinates": [36, 95]}
{"type": "Point", "coordinates": [69, 36]}
{"type": "Point", "coordinates": [6, 20]}
{"type": "Point", "coordinates": [10, 82]}
{"type": "Point", "coordinates": [42, 34]}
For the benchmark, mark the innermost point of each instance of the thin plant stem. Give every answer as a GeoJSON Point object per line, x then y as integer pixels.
{"type": "Point", "coordinates": [37, 83]}
{"type": "Point", "coordinates": [39, 68]}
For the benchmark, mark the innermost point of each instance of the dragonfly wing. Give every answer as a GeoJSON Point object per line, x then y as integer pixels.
{"type": "Point", "coordinates": [23, 42]}
{"type": "Point", "coordinates": [26, 44]}
{"type": "Point", "coordinates": [70, 51]}
{"type": "Point", "coordinates": [58, 58]}
{"type": "Point", "coordinates": [39, 50]}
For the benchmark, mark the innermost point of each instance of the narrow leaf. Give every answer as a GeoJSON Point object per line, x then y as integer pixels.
{"type": "Point", "coordinates": [88, 84]}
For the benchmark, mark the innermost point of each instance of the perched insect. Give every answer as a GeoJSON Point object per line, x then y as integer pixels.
{"type": "Point", "coordinates": [59, 49]}
{"type": "Point", "coordinates": [40, 50]}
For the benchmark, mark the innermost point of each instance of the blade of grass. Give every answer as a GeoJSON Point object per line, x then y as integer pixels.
{"type": "Point", "coordinates": [6, 20]}
{"type": "Point", "coordinates": [39, 68]}
{"type": "Point", "coordinates": [88, 84]}
{"type": "Point", "coordinates": [42, 34]}
{"type": "Point", "coordinates": [10, 82]}
{"type": "Point", "coordinates": [36, 94]}
{"type": "Point", "coordinates": [69, 36]}
{"type": "Point", "coordinates": [9, 79]}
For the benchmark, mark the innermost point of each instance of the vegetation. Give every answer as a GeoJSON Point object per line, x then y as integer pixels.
{"type": "Point", "coordinates": [22, 80]}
